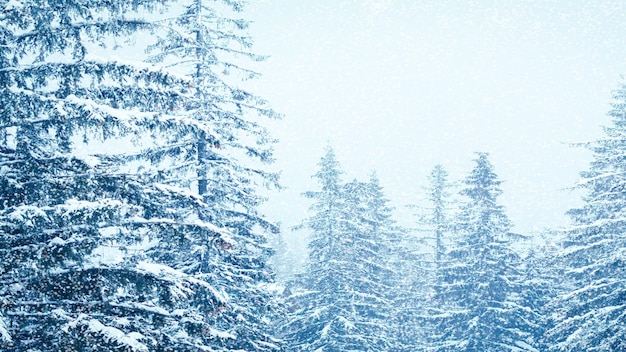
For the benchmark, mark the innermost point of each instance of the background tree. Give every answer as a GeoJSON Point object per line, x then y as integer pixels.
{"type": "Point", "coordinates": [423, 259]}
{"type": "Point", "coordinates": [439, 198]}
{"type": "Point", "coordinates": [590, 314]}
{"type": "Point", "coordinates": [341, 302]}
{"type": "Point", "coordinates": [283, 261]}
{"type": "Point", "coordinates": [380, 253]}
{"type": "Point", "coordinates": [312, 306]}
{"type": "Point", "coordinates": [543, 272]}
{"type": "Point", "coordinates": [482, 281]}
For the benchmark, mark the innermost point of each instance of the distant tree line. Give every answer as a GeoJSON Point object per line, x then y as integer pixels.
{"type": "Point", "coordinates": [370, 285]}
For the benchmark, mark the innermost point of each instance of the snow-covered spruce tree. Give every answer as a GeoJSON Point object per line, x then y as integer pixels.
{"type": "Point", "coordinates": [96, 258]}
{"type": "Point", "coordinates": [378, 248]}
{"type": "Point", "coordinates": [544, 272]}
{"type": "Point", "coordinates": [311, 306]}
{"type": "Point", "coordinates": [591, 315]}
{"type": "Point", "coordinates": [439, 199]}
{"type": "Point", "coordinates": [340, 302]}
{"type": "Point", "coordinates": [424, 256]}
{"type": "Point", "coordinates": [388, 262]}
{"type": "Point", "coordinates": [74, 230]}
{"type": "Point", "coordinates": [482, 278]}
{"type": "Point", "coordinates": [412, 295]}
{"type": "Point", "coordinates": [213, 131]}
{"type": "Point", "coordinates": [282, 261]}
{"type": "Point", "coordinates": [439, 223]}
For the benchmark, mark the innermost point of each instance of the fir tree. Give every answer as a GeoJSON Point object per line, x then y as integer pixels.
{"type": "Point", "coordinates": [99, 254]}
{"type": "Point", "coordinates": [543, 272]}
{"type": "Point", "coordinates": [341, 301]}
{"type": "Point", "coordinates": [423, 267]}
{"type": "Point", "coordinates": [438, 196]}
{"type": "Point", "coordinates": [378, 260]}
{"type": "Point", "coordinates": [482, 279]}
{"type": "Point", "coordinates": [282, 261]}
{"type": "Point", "coordinates": [590, 314]}
{"type": "Point", "coordinates": [308, 327]}
{"type": "Point", "coordinates": [213, 129]}
{"type": "Point", "coordinates": [74, 276]}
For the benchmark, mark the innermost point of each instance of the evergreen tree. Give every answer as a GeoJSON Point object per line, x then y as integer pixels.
{"type": "Point", "coordinates": [341, 301]}
{"type": "Point", "coordinates": [543, 274]}
{"type": "Point", "coordinates": [282, 261]}
{"type": "Point", "coordinates": [590, 315]}
{"type": "Point", "coordinates": [379, 250]}
{"type": "Point", "coordinates": [439, 222]}
{"type": "Point", "coordinates": [312, 308]}
{"type": "Point", "coordinates": [412, 296]}
{"type": "Point", "coordinates": [482, 279]}
{"type": "Point", "coordinates": [438, 196]}
{"type": "Point", "coordinates": [212, 128]}
{"type": "Point", "coordinates": [73, 275]}
{"type": "Point", "coordinates": [422, 267]}
{"type": "Point", "coordinates": [98, 254]}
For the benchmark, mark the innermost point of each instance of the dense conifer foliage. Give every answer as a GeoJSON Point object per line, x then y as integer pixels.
{"type": "Point", "coordinates": [591, 314]}
{"type": "Point", "coordinates": [341, 302]}
{"type": "Point", "coordinates": [482, 308]}
{"type": "Point", "coordinates": [213, 130]}
{"type": "Point", "coordinates": [111, 249]}
{"type": "Point", "coordinates": [422, 257]}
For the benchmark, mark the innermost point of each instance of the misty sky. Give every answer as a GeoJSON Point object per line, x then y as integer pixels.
{"type": "Point", "coordinates": [399, 86]}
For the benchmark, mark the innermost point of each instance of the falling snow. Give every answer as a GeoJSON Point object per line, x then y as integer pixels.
{"type": "Point", "coordinates": [394, 181]}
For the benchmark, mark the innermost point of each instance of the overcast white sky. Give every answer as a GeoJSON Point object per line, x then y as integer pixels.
{"type": "Point", "coordinates": [398, 86]}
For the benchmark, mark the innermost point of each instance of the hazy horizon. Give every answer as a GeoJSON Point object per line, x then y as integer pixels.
{"type": "Point", "coordinates": [397, 87]}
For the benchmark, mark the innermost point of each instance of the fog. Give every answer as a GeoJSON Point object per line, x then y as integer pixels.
{"type": "Point", "coordinates": [399, 86]}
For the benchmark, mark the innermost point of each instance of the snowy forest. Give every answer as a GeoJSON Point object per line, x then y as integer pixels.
{"type": "Point", "coordinates": [133, 166]}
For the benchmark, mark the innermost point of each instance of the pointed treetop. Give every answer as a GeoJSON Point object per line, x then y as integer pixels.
{"type": "Point", "coordinates": [329, 173]}
{"type": "Point", "coordinates": [438, 180]}
{"type": "Point", "coordinates": [483, 189]}
{"type": "Point", "coordinates": [377, 202]}
{"type": "Point", "coordinates": [438, 173]}
{"type": "Point", "coordinates": [482, 183]}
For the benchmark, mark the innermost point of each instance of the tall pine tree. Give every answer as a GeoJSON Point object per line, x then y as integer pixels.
{"type": "Point", "coordinates": [214, 129]}
{"type": "Point", "coordinates": [100, 254]}
{"type": "Point", "coordinates": [341, 302]}
{"type": "Point", "coordinates": [482, 279]}
{"type": "Point", "coordinates": [75, 229]}
{"type": "Point", "coordinates": [423, 262]}
{"type": "Point", "coordinates": [591, 314]}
